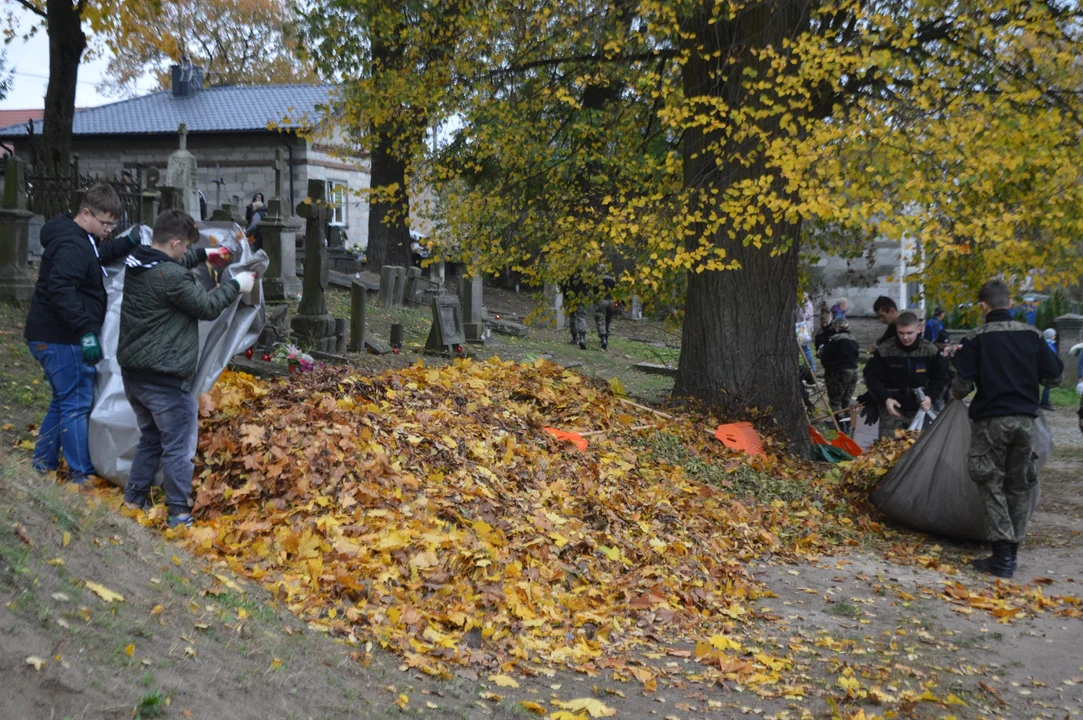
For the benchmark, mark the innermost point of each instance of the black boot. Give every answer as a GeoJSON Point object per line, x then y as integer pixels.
{"type": "Point", "coordinates": [582, 341]}
{"type": "Point", "coordinates": [605, 341]}
{"type": "Point", "coordinates": [1001, 563]}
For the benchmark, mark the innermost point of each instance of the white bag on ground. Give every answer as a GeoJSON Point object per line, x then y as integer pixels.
{"type": "Point", "coordinates": [113, 432]}
{"type": "Point", "coordinates": [929, 488]}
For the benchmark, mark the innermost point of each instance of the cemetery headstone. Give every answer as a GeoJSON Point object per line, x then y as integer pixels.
{"type": "Point", "coordinates": [415, 286]}
{"type": "Point", "coordinates": [312, 324]}
{"type": "Point", "coordinates": [358, 310]}
{"type": "Point", "coordinates": [181, 174]}
{"type": "Point", "coordinates": [446, 333]}
{"type": "Point", "coordinates": [37, 222]}
{"type": "Point", "coordinates": [387, 286]}
{"type": "Point", "coordinates": [15, 281]}
{"type": "Point", "coordinates": [341, 329]}
{"type": "Point", "coordinates": [171, 199]}
{"type": "Point", "coordinates": [280, 282]}
{"type": "Point", "coordinates": [473, 310]}
{"type": "Point", "coordinates": [399, 290]}
{"type": "Point", "coordinates": [635, 308]}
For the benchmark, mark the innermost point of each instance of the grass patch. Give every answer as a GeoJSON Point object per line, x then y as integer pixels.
{"type": "Point", "coordinates": [1062, 397]}
{"type": "Point", "coordinates": [151, 705]}
{"type": "Point", "coordinates": [740, 480]}
{"type": "Point", "coordinates": [844, 609]}
{"type": "Point", "coordinates": [234, 601]}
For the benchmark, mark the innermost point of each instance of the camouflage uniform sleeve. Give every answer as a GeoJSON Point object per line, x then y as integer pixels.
{"type": "Point", "coordinates": [966, 369]}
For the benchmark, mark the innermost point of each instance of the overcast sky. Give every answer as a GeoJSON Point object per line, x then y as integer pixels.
{"type": "Point", "coordinates": [30, 61]}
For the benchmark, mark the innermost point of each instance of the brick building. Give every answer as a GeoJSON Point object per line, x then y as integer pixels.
{"type": "Point", "coordinates": [229, 129]}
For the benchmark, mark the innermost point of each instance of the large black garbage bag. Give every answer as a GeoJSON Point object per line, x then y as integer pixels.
{"type": "Point", "coordinates": [929, 489]}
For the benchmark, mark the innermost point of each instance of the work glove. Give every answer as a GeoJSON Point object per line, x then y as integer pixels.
{"type": "Point", "coordinates": [870, 412]}
{"type": "Point", "coordinates": [92, 350]}
{"type": "Point", "coordinates": [245, 280]}
{"type": "Point", "coordinates": [1076, 349]}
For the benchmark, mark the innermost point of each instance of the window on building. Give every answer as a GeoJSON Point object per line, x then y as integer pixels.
{"type": "Point", "coordinates": [337, 195]}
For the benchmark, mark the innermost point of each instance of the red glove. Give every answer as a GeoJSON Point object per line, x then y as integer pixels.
{"type": "Point", "coordinates": [219, 256]}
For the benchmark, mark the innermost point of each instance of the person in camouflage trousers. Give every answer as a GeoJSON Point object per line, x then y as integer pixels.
{"type": "Point", "coordinates": [1007, 361]}
{"type": "Point", "coordinates": [901, 366]}
{"type": "Point", "coordinates": [839, 356]}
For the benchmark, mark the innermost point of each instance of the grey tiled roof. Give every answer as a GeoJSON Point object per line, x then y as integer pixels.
{"type": "Point", "coordinates": [234, 108]}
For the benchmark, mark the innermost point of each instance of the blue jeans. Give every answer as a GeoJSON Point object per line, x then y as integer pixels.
{"type": "Point", "coordinates": [168, 426]}
{"type": "Point", "coordinates": [808, 356]}
{"type": "Point", "coordinates": [1045, 397]}
{"type": "Point", "coordinates": [65, 425]}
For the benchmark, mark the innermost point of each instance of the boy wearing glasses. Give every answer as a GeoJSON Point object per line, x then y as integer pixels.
{"type": "Point", "coordinates": [66, 315]}
{"type": "Point", "coordinates": [158, 352]}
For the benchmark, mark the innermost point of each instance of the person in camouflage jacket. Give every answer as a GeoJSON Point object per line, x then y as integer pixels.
{"type": "Point", "coordinates": [839, 356]}
{"type": "Point", "coordinates": [1007, 361]}
{"type": "Point", "coordinates": [899, 368]}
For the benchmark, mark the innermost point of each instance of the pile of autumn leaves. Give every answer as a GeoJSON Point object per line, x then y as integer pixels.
{"type": "Point", "coordinates": [431, 510]}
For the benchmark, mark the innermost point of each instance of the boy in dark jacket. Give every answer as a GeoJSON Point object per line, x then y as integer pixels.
{"type": "Point", "coordinates": [1007, 361]}
{"type": "Point", "coordinates": [839, 356]}
{"type": "Point", "coordinates": [65, 320]}
{"type": "Point", "coordinates": [158, 352]}
{"type": "Point", "coordinates": [900, 367]}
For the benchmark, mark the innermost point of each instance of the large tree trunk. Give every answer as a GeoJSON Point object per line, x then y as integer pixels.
{"type": "Point", "coordinates": [389, 236]}
{"type": "Point", "coordinates": [66, 45]}
{"type": "Point", "coordinates": [738, 347]}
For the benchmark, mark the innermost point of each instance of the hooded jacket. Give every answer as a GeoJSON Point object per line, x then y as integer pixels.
{"type": "Point", "coordinates": [159, 316]}
{"type": "Point", "coordinates": [69, 297]}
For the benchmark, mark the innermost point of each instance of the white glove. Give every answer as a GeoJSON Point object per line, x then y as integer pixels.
{"type": "Point", "coordinates": [1079, 388]}
{"type": "Point", "coordinates": [1076, 349]}
{"type": "Point", "coordinates": [245, 280]}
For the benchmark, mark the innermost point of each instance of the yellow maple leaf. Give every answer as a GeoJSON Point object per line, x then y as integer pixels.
{"type": "Point", "coordinates": [530, 706]}
{"type": "Point", "coordinates": [503, 681]}
{"type": "Point", "coordinates": [103, 592]}
{"type": "Point", "coordinates": [129, 649]}
{"type": "Point", "coordinates": [595, 708]}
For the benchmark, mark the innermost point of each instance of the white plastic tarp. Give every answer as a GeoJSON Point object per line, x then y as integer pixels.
{"type": "Point", "coordinates": [113, 432]}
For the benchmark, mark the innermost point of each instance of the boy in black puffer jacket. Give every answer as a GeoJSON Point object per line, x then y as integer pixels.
{"type": "Point", "coordinates": [158, 352]}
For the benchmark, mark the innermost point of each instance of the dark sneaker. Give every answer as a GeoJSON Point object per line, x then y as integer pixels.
{"type": "Point", "coordinates": [138, 505]}
{"type": "Point", "coordinates": [1048, 408]}
{"type": "Point", "coordinates": [177, 520]}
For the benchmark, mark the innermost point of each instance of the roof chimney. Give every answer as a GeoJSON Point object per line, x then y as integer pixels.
{"type": "Point", "coordinates": [187, 79]}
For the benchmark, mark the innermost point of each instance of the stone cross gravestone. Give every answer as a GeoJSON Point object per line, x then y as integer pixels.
{"type": "Point", "coordinates": [312, 324]}
{"type": "Point", "coordinates": [280, 282]}
{"type": "Point", "coordinates": [181, 175]}
{"type": "Point", "coordinates": [15, 235]}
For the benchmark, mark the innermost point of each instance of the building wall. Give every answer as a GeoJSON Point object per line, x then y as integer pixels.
{"type": "Point", "coordinates": [244, 163]}
{"type": "Point", "coordinates": [882, 271]}
{"type": "Point", "coordinates": [352, 174]}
